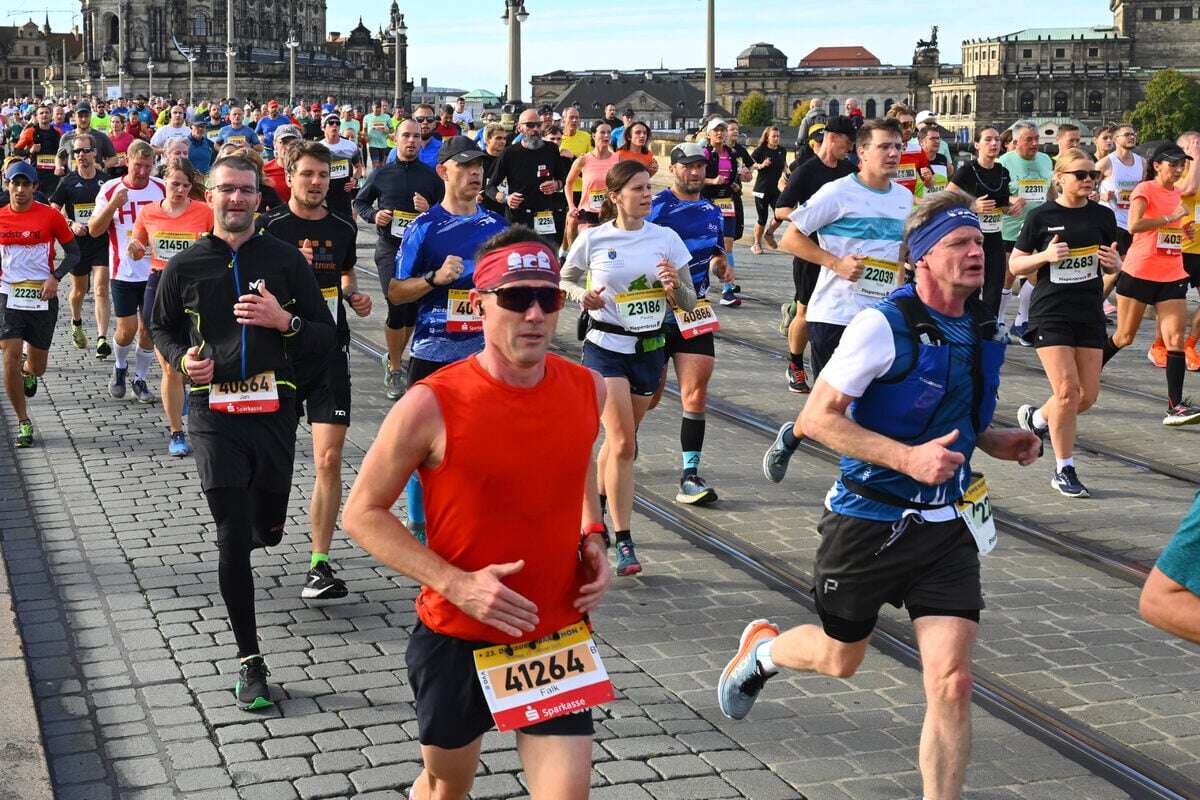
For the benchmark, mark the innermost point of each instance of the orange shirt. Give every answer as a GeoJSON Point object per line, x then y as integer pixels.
{"type": "Point", "coordinates": [642, 158]}
{"type": "Point", "coordinates": [510, 487]}
{"type": "Point", "coordinates": [165, 235]}
{"type": "Point", "coordinates": [1157, 254]}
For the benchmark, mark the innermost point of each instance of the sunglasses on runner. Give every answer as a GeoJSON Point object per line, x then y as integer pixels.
{"type": "Point", "coordinates": [84, 150]}
{"type": "Point", "coordinates": [1084, 174]}
{"type": "Point", "coordinates": [534, 124]}
{"type": "Point", "coordinates": [424, 119]}
{"type": "Point", "coordinates": [521, 298]}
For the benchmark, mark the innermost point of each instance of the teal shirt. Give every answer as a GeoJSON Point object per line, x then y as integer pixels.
{"type": "Point", "coordinates": [1034, 172]}
{"type": "Point", "coordinates": [1181, 560]}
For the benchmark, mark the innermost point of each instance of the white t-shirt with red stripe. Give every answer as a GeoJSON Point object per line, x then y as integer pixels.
{"type": "Point", "coordinates": [122, 267]}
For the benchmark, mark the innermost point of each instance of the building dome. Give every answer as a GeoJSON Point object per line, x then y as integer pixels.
{"type": "Point", "coordinates": [762, 56]}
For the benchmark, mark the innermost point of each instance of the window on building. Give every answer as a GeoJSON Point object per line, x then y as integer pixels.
{"type": "Point", "coordinates": [37, 50]}
{"type": "Point", "coordinates": [1093, 52]}
{"type": "Point", "coordinates": [1148, 13]}
{"type": "Point", "coordinates": [1168, 14]}
{"type": "Point", "coordinates": [29, 73]}
{"type": "Point", "coordinates": [1185, 12]}
{"type": "Point", "coordinates": [1062, 101]}
{"type": "Point", "coordinates": [834, 107]}
{"type": "Point", "coordinates": [967, 106]}
{"type": "Point", "coordinates": [199, 25]}
{"type": "Point", "coordinates": [887, 105]}
{"type": "Point", "coordinates": [1095, 103]}
{"type": "Point", "coordinates": [870, 111]}
{"type": "Point", "coordinates": [1060, 52]}
{"type": "Point", "coordinates": [1027, 101]}
{"type": "Point", "coordinates": [1027, 53]}
{"type": "Point", "coordinates": [954, 105]}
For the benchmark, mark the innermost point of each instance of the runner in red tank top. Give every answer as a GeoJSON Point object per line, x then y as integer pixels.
{"type": "Point", "coordinates": [503, 442]}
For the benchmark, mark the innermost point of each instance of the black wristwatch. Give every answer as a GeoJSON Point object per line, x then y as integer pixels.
{"type": "Point", "coordinates": [294, 325]}
{"type": "Point", "coordinates": [429, 278]}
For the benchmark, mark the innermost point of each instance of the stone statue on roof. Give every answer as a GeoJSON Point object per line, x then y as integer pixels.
{"type": "Point", "coordinates": [932, 43]}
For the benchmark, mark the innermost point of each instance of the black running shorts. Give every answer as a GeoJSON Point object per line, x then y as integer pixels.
{"type": "Point", "coordinates": [243, 451]}
{"type": "Point", "coordinates": [642, 370]}
{"type": "Point", "coordinates": [451, 709]}
{"type": "Point", "coordinates": [1067, 333]}
{"type": "Point", "coordinates": [34, 327]}
{"type": "Point", "coordinates": [1191, 263]}
{"type": "Point", "coordinates": [1150, 292]}
{"type": "Point", "coordinates": [323, 389]}
{"type": "Point", "coordinates": [804, 279]}
{"type": "Point", "coordinates": [399, 316]}
{"type": "Point", "coordinates": [702, 345]}
{"type": "Point", "coordinates": [88, 258]}
{"type": "Point", "coordinates": [932, 569]}
{"type": "Point", "coordinates": [127, 297]}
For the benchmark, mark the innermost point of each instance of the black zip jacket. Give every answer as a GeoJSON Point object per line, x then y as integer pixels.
{"type": "Point", "coordinates": [391, 188]}
{"type": "Point", "coordinates": [194, 307]}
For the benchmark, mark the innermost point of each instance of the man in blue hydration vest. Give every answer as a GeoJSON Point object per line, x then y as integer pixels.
{"type": "Point", "coordinates": [907, 519]}
{"type": "Point", "coordinates": [435, 269]}
{"type": "Point", "coordinates": [690, 333]}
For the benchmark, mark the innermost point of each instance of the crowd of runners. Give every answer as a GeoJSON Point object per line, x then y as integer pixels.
{"type": "Point", "coordinates": [219, 242]}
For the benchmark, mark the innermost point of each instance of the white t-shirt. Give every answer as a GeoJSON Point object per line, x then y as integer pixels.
{"type": "Point", "coordinates": [159, 139]}
{"type": "Point", "coordinates": [624, 262]}
{"type": "Point", "coordinates": [121, 267]}
{"type": "Point", "coordinates": [1121, 181]}
{"type": "Point", "coordinates": [865, 353]}
{"type": "Point", "coordinates": [851, 218]}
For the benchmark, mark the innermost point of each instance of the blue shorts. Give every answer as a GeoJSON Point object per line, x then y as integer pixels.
{"type": "Point", "coordinates": [642, 370]}
{"type": "Point", "coordinates": [127, 297]}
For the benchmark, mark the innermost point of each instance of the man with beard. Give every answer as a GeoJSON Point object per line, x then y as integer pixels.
{"type": "Point", "coordinates": [242, 416]}
{"type": "Point", "coordinates": [535, 175]}
{"type": "Point", "coordinates": [327, 242]}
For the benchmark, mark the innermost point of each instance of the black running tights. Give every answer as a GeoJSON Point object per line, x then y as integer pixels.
{"type": "Point", "coordinates": [240, 514]}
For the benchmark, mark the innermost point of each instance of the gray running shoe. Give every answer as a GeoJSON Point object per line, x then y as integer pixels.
{"type": "Point", "coordinates": [141, 391]}
{"type": "Point", "coordinates": [775, 460]}
{"type": "Point", "coordinates": [744, 677]}
{"type": "Point", "coordinates": [787, 313]}
{"type": "Point", "coordinates": [393, 380]}
{"type": "Point", "coordinates": [116, 384]}
{"type": "Point", "coordinates": [1025, 422]}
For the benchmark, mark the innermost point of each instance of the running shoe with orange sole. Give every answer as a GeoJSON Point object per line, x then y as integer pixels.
{"type": "Point", "coordinates": [744, 677]}
{"type": "Point", "coordinates": [1158, 354]}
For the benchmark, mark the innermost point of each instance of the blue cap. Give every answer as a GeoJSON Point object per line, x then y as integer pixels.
{"type": "Point", "coordinates": [22, 168]}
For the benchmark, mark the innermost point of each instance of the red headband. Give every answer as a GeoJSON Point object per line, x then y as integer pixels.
{"type": "Point", "coordinates": [516, 262]}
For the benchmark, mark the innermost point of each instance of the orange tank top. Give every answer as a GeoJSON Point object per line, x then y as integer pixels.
{"type": "Point", "coordinates": [510, 487]}
{"type": "Point", "coordinates": [595, 171]}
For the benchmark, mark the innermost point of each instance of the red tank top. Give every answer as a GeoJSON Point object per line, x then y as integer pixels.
{"type": "Point", "coordinates": [510, 487]}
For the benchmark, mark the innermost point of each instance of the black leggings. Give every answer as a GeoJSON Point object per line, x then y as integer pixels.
{"type": "Point", "coordinates": [244, 518]}
{"type": "Point", "coordinates": [995, 265]}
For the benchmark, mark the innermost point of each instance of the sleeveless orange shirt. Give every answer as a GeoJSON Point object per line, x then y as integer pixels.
{"type": "Point", "coordinates": [510, 487]}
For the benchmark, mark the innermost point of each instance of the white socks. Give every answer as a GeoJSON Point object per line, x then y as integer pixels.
{"type": "Point", "coordinates": [122, 352]}
{"type": "Point", "coordinates": [1064, 462]}
{"type": "Point", "coordinates": [1039, 421]}
{"type": "Point", "coordinates": [144, 359]}
{"type": "Point", "coordinates": [1005, 296]}
{"type": "Point", "coordinates": [1023, 304]}
{"type": "Point", "coordinates": [762, 654]}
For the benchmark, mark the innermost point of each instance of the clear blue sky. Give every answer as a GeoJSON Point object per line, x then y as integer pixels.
{"type": "Point", "coordinates": [469, 48]}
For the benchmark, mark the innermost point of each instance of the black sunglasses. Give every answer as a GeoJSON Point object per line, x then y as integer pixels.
{"type": "Point", "coordinates": [1084, 174]}
{"type": "Point", "coordinates": [84, 150]}
{"type": "Point", "coordinates": [534, 124]}
{"type": "Point", "coordinates": [521, 298]}
{"type": "Point", "coordinates": [424, 119]}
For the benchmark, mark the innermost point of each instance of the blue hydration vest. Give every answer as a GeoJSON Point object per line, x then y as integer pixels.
{"type": "Point", "coordinates": [921, 398]}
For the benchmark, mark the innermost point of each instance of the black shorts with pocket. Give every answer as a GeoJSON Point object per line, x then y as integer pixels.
{"type": "Point", "coordinates": [34, 327]}
{"type": "Point", "coordinates": [804, 279]}
{"type": "Point", "coordinates": [90, 256]}
{"type": "Point", "coordinates": [451, 709]}
{"type": "Point", "coordinates": [1068, 333]}
{"type": "Point", "coordinates": [243, 451]}
{"type": "Point", "coordinates": [323, 389]}
{"type": "Point", "coordinates": [932, 568]}
{"type": "Point", "coordinates": [128, 297]}
{"type": "Point", "coordinates": [702, 345]}
{"type": "Point", "coordinates": [1191, 263]}
{"type": "Point", "coordinates": [1150, 292]}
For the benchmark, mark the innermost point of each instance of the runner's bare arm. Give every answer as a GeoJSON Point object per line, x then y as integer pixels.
{"type": "Point", "coordinates": [1170, 606]}
{"type": "Point", "coordinates": [1010, 444]}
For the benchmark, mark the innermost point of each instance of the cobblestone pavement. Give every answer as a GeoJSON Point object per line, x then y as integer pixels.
{"type": "Point", "coordinates": [112, 572]}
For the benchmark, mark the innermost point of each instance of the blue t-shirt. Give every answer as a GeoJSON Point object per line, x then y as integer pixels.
{"type": "Point", "coordinates": [427, 154]}
{"type": "Point", "coordinates": [245, 131]}
{"type": "Point", "coordinates": [427, 241]}
{"type": "Point", "coordinates": [700, 224]}
{"type": "Point", "coordinates": [955, 412]}
{"type": "Point", "coordinates": [266, 129]}
{"type": "Point", "coordinates": [1181, 560]}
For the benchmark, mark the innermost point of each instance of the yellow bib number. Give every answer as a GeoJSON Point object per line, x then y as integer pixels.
{"type": "Point", "coordinates": [26, 296]}
{"type": "Point", "coordinates": [543, 223]}
{"type": "Point", "coordinates": [1034, 191]}
{"type": "Point", "coordinates": [642, 310]}
{"type": "Point", "coordinates": [83, 211]}
{"type": "Point", "coordinates": [165, 244]}
{"type": "Point", "coordinates": [989, 221]}
{"type": "Point", "coordinates": [697, 322]}
{"type": "Point", "coordinates": [726, 206]}
{"type": "Point", "coordinates": [258, 394]}
{"type": "Point", "coordinates": [975, 508]}
{"type": "Point", "coordinates": [1081, 265]}
{"type": "Point", "coordinates": [339, 169]}
{"type": "Point", "coordinates": [332, 297]}
{"type": "Point", "coordinates": [1170, 241]}
{"type": "Point", "coordinates": [400, 220]}
{"type": "Point", "coordinates": [880, 277]}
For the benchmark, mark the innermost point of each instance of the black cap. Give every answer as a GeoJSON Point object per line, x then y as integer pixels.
{"type": "Point", "coordinates": [1168, 151]}
{"type": "Point", "coordinates": [83, 108]}
{"type": "Point", "coordinates": [842, 125]}
{"type": "Point", "coordinates": [459, 148]}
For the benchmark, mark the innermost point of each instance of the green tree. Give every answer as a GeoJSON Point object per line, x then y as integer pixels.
{"type": "Point", "coordinates": [1171, 106]}
{"type": "Point", "coordinates": [755, 111]}
{"type": "Point", "coordinates": [798, 113]}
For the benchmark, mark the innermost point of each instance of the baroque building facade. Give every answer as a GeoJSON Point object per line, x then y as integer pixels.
{"type": "Point", "coordinates": [356, 66]}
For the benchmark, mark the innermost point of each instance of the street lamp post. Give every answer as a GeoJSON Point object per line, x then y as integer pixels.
{"type": "Point", "coordinates": [120, 48]}
{"type": "Point", "coordinates": [191, 59]}
{"type": "Point", "coordinates": [291, 44]}
{"type": "Point", "coordinates": [710, 79]}
{"type": "Point", "coordinates": [514, 15]}
{"type": "Point", "coordinates": [229, 51]}
{"type": "Point", "coordinates": [401, 41]}
{"type": "Point", "coordinates": [150, 80]}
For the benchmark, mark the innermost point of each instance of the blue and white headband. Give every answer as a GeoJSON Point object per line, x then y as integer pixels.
{"type": "Point", "coordinates": [922, 240]}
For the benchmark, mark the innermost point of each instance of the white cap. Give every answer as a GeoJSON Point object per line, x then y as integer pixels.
{"type": "Point", "coordinates": [926, 115]}
{"type": "Point", "coordinates": [715, 122]}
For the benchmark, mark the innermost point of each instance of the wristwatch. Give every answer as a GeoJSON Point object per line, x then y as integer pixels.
{"type": "Point", "coordinates": [429, 278]}
{"type": "Point", "coordinates": [294, 325]}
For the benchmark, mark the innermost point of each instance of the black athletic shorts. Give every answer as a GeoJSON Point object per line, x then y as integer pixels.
{"type": "Point", "coordinates": [1151, 292]}
{"type": "Point", "coordinates": [243, 451]}
{"type": "Point", "coordinates": [702, 345]}
{"type": "Point", "coordinates": [764, 204]}
{"type": "Point", "coordinates": [642, 370]}
{"type": "Point", "coordinates": [378, 154]}
{"type": "Point", "coordinates": [1068, 333]}
{"type": "Point", "coordinates": [34, 327]}
{"type": "Point", "coordinates": [1009, 244]}
{"type": "Point", "coordinates": [127, 297]}
{"type": "Point", "coordinates": [451, 709]}
{"type": "Point", "coordinates": [739, 217]}
{"type": "Point", "coordinates": [95, 257]}
{"type": "Point", "coordinates": [932, 569]}
{"type": "Point", "coordinates": [1124, 240]}
{"type": "Point", "coordinates": [148, 295]}
{"type": "Point", "coordinates": [421, 368]}
{"type": "Point", "coordinates": [1191, 263]}
{"type": "Point", "coordinates": [804, 279]}
{"type": "Point", "coordinates": [823, 339]}
{"type": "Point", "coordinates": [323, 389]}
{"type": "Point", "coordinates": [398, 316]}
{"type": "Point", "coordinates": [589, 218]}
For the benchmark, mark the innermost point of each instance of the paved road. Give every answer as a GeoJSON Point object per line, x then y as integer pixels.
{"type": "Point", "coordinates": [112, 572]}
